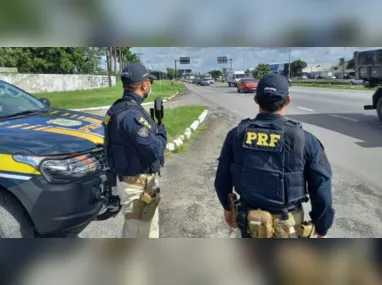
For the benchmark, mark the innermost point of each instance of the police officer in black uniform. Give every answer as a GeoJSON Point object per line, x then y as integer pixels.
{"type": "Point", "coordinates": [268, 161]}
{"type": "Point", "coordinates": [135, 146]}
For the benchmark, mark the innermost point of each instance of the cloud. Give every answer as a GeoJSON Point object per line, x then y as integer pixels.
{"type": "Point", "coordinates": [205, 59]}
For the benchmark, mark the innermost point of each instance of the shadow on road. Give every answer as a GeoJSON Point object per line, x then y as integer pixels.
{"type": "Point", "coordinates": [359, 126]}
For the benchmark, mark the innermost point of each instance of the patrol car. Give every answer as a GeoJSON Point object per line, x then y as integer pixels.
{"type": "Point", "coordinates": [53, 174]}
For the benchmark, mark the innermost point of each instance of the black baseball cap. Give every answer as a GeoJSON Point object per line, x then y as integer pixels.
{"type": "Point", "coordinates": [135, 72]}
{"type": "Point", "coordinates": [274, 85]}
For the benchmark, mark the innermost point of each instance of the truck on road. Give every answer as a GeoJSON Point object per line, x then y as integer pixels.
{"type": "Point", "coordinates": [368, 67]}
{"type": "Point", "coordinates": [234, 76]}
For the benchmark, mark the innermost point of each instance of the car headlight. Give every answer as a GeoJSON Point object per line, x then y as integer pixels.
{"type": "Point", "coordinates": [58, 169]}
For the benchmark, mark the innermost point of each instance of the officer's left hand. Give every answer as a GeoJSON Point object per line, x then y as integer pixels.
{"type": "Point", "coordinates": [229, 219]}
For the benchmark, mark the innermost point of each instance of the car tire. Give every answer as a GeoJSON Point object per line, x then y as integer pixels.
{"type": "Point", "coordinates": [238, 90]}
{"type": "Point", "coordinates": [14, 220]}
{"type": "Point", "coordinates": [379, 109]}
{"type": "Point", "coordinates": [229, 84]}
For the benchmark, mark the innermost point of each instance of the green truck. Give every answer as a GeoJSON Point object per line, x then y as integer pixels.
{"type": "Point", "coordinates": [368, 67]}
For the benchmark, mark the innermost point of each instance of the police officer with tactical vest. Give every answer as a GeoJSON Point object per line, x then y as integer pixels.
{"type": "Point", "coordinates": [268, 161]}
{"type": "Point", "coordinates": [134, 146]}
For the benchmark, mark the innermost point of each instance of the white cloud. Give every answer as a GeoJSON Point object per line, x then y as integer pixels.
{"type": "Point", "coordinates": [205, 59]}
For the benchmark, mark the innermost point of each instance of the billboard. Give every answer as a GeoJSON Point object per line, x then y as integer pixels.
{"type": "Point", "coordinates": [184, 60]}
{"type": "Point", "coordinates": [222, 59]}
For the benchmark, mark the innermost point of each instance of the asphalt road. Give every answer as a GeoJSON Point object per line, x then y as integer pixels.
{"type": "Point", "coordinates": [352, 138]}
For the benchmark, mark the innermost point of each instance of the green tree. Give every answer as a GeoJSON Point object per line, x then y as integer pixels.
{"type": "Point", "coordinates": [261, 70]}
{"type": "Point", "coordinates": [297, 66]}
{"type": "Point", "coordinates": [215, 73]}
{"type": "Point", "coordinates": [350, 64]}
{"type": "Point", "coordinates": [341, 63]}
{"type": "Point", "coordinates": [54, 60]}
{"type": "Point", "coordinates": [170, 72]}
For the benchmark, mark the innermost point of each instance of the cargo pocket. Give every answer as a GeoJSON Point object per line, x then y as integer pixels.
{"type": "Point", "coordinates": [294, 186]}
{"type": "Point", "coordinates": [119, 158]}
{"type": "Point", "coordinates": [260, 186]}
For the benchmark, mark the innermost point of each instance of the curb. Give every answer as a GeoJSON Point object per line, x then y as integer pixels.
{"type": "Point", "coordinates": [107, 107]}
{"type": "Point", "coordinates": [187, 133]}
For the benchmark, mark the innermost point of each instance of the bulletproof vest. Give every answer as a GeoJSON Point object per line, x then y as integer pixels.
{"type": "Point", "coordinates": [268, 164]}
{"type": "Point", "coordinates": [122, 158]}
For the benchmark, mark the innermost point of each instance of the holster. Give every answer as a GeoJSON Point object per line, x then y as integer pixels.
{"type": "Point", "coordinates": [144, 208]}
{"type": "Point", "coordinates": [306, 230]}
{"type": "Point", "coordinates": [260, 224]}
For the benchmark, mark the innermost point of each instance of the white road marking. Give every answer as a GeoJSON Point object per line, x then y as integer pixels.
{"type": "Point", "coordinates": [342, 117]}
{"type": "Point", "coordinates": [302, 108]}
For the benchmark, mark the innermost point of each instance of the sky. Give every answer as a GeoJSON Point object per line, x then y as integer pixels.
{"type": "Point", "coordinates": [205, 59]}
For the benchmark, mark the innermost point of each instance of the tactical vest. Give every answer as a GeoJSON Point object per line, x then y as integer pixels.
{"type": "Point", "coordinates": [268, 167]}
{"type": "Point", "coordinates": [123, 158]}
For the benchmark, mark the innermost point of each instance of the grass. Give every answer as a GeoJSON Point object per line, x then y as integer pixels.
{"type": "Point", "coordinates": [177, 120]}
{"type": "Point", "coordinates": [343, 87]}
{"type": "Point", "coordinates": [105, 96]}
{"type": "Point", "coordinates": [186, 145]}
{"type": "Point", "coordinates": [334, 81]}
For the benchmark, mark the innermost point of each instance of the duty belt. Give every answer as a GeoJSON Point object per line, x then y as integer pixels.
{"type": "Point", "coordinates": [140, 179]}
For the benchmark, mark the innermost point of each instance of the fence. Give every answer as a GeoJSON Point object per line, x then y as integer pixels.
{"type": "Point", "coordinates": [37, 83]}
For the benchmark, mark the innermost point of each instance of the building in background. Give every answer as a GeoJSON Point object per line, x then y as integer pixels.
{"type": "Point", "coordinates": [326, 69]}
{"type": "Point", "coordinates": [280, 68]}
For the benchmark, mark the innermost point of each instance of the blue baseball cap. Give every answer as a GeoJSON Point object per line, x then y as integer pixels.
{"type": "Point", "coordinates": [273, 85]}
{"type": "Point", "coordinates": [136, 72]}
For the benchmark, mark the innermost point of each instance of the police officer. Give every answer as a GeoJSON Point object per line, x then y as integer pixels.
{"type": "Point", "coordinates": [134, 146]}
{"type": "Point", "coordinates": [268, 160]}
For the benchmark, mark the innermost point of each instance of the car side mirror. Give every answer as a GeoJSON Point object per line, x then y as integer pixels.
{"type": "Point", "coordinates": [46, 101]}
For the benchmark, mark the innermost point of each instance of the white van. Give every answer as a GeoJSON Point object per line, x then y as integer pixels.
{"type": "Point", "coordinates": [234, 76]}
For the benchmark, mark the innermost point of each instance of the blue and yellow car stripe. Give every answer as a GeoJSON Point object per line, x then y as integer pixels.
{"type": "Point", "coordinates": [94, 138]}
{"type": "Point", "coordinates": [9, 165]}
{"type": "Point", "coordinates": [70, 115]}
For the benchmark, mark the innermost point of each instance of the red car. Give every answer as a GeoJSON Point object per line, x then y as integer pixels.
{"type": "Point", "coordinates": [247, 85]}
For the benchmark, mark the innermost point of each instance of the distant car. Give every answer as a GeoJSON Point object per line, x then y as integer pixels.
{"type": "Point", "coordinates": [354, 81]}
{"type": "Point", "coordinates": [247, 85]}
{"type": "Point", "coordinates": [212, 81]}
{"type": "Point", "coordinates": [205, 82]}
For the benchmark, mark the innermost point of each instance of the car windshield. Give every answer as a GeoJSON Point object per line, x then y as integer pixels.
{"type": "Point", "coordinates": [206, 79]}
{"type": "Point", "coordinates": [250, 81]}
{"type": "Point", "coordinates": [14, 100]}
{"type": "Point", "coordinates": [239, 75]}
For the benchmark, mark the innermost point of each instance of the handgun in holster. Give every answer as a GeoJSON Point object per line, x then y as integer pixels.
{"type": "Point", "coordinates": [236, 208]}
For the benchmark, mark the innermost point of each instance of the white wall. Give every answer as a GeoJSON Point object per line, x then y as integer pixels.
{"type": "Point", "coordinates": [37, 83]}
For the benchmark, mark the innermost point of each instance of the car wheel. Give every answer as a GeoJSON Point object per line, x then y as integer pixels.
{"type": "Point", "coordinates": [229, 84]}
{"type": "Point", "coordinates": [238, 90]}
{"type": "Point", "coordinates": [14, 220]}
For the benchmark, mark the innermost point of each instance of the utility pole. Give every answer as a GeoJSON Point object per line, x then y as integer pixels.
{"type": "Point", "coordinates": [121, 63]}
{"type": "Point", "coordinates": [230, 61]}
{"type": "Point", "coordinates": [176, 73]}
{"type": "Point", "coordinates": [289, 66]}
{"type": "Point", "coordinates": [108, 60]}
{"type": "Point", "coordinates": [148, 66]}
{"type": "Point", "coordinates": [115, 58]}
